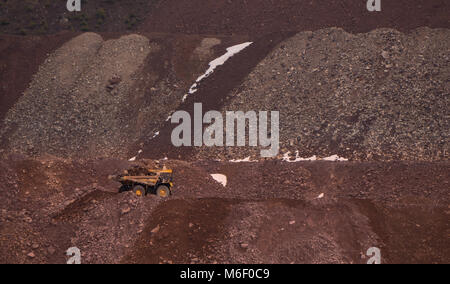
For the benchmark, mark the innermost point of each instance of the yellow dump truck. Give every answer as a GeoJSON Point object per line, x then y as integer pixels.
{"type": "Point", "coordinates": [143, 181]}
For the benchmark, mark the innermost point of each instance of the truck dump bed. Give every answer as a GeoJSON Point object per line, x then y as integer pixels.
{"type": "Point", "coordinates": [147, 180]}
{"type": "Point", "coordinates": [145, 177]}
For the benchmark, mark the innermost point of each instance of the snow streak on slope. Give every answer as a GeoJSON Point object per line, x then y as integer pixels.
{"type": "Point", "coordinates": [333, 158]}
{"type": "Point", "coordinates": [231, 51]}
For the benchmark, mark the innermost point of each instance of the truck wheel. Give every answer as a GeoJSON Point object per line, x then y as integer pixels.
{"type": "Point", "coordinates": [163, 191]}
{"type": "Point", "coordinates": [123, 188]}
{"type": "Point", "coordinates": [139, 190]}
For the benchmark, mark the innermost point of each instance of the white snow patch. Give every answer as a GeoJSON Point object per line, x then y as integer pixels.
{"type": "Point", "coordinates": [222, 179]}
{"type": "Point", "coordinates": [246, 160]}
{"type": "Point", "coordinates": [287, 158]}
{"type": "Point", "coordinates": [231, 51]}
{"type": "Point", "coordinates": [134, 158]}
{"type": "Point", "coordinates": [156, 134]}
{"type": "Point", "coordinates": [322, 195]}
{"type": "Point", "coordinates": [193, 88]}
{"type": "Point", "coordinates": [334, 158]}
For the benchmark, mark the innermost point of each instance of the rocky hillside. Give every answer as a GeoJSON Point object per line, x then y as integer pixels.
{"type": "Point", "coordinates": [76, 96]}
{"type": "Point", "coordinates": [375, 96]}
{"type": "Point", "coordinates": [381, 95]}
{"type": "Point", "coordinates": [101, 97]}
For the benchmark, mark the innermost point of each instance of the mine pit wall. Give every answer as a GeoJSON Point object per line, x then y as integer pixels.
{"type": "Point", "coordinates": [51, 203]}
{"type": "Point", "coordinates": [191, 34]}
{"type": "Point", "coordinates": [375, 96]}
{"type": "Point", "coordinates": [71, 109]}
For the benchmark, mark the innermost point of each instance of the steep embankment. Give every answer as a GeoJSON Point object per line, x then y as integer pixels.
{"type": "Point", "coordinates": [381, 95]}
{"type": "Point", "coordinates": [20, 58]}
{"type": "Point", "coordinates": [269, 212]}
{"type": "Point", "coordinates": [119, 117]}
{"type": "Point", "coordinates": [76, 97]}
{"type": "Point", "coordinates": [97, 97]}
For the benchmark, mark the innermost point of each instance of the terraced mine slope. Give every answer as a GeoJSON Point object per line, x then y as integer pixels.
{"type": "Point", "coordinates": [363, 160]}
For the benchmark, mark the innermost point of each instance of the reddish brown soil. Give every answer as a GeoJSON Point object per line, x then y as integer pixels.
{"type": "Point", "coordinates": [20, 58]}
{"type": "Point", "coordinates": [268, 213]}
{"type": "Point", "coordinates": [199, 232]}
{"type": "Point", "coordinates": [260, 17]}
{"type": "Point", "coordinates": [49, 205]}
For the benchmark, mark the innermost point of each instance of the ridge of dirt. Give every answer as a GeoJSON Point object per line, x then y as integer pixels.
{"type": "Point", "coordinates": [66, 91]}
{"type": "Point", "coordinates": [390, 223]}
{"type": "Point", "coordinates": [20, 58]}
{"type": "Point", "coordinates": [374, 96]}
{"type": "Point", "coordinates": [285, 231]}
{"type": "Point", "coordinates": [72, 101]}
{"type": "Point", "coordinates": [268, 212]}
